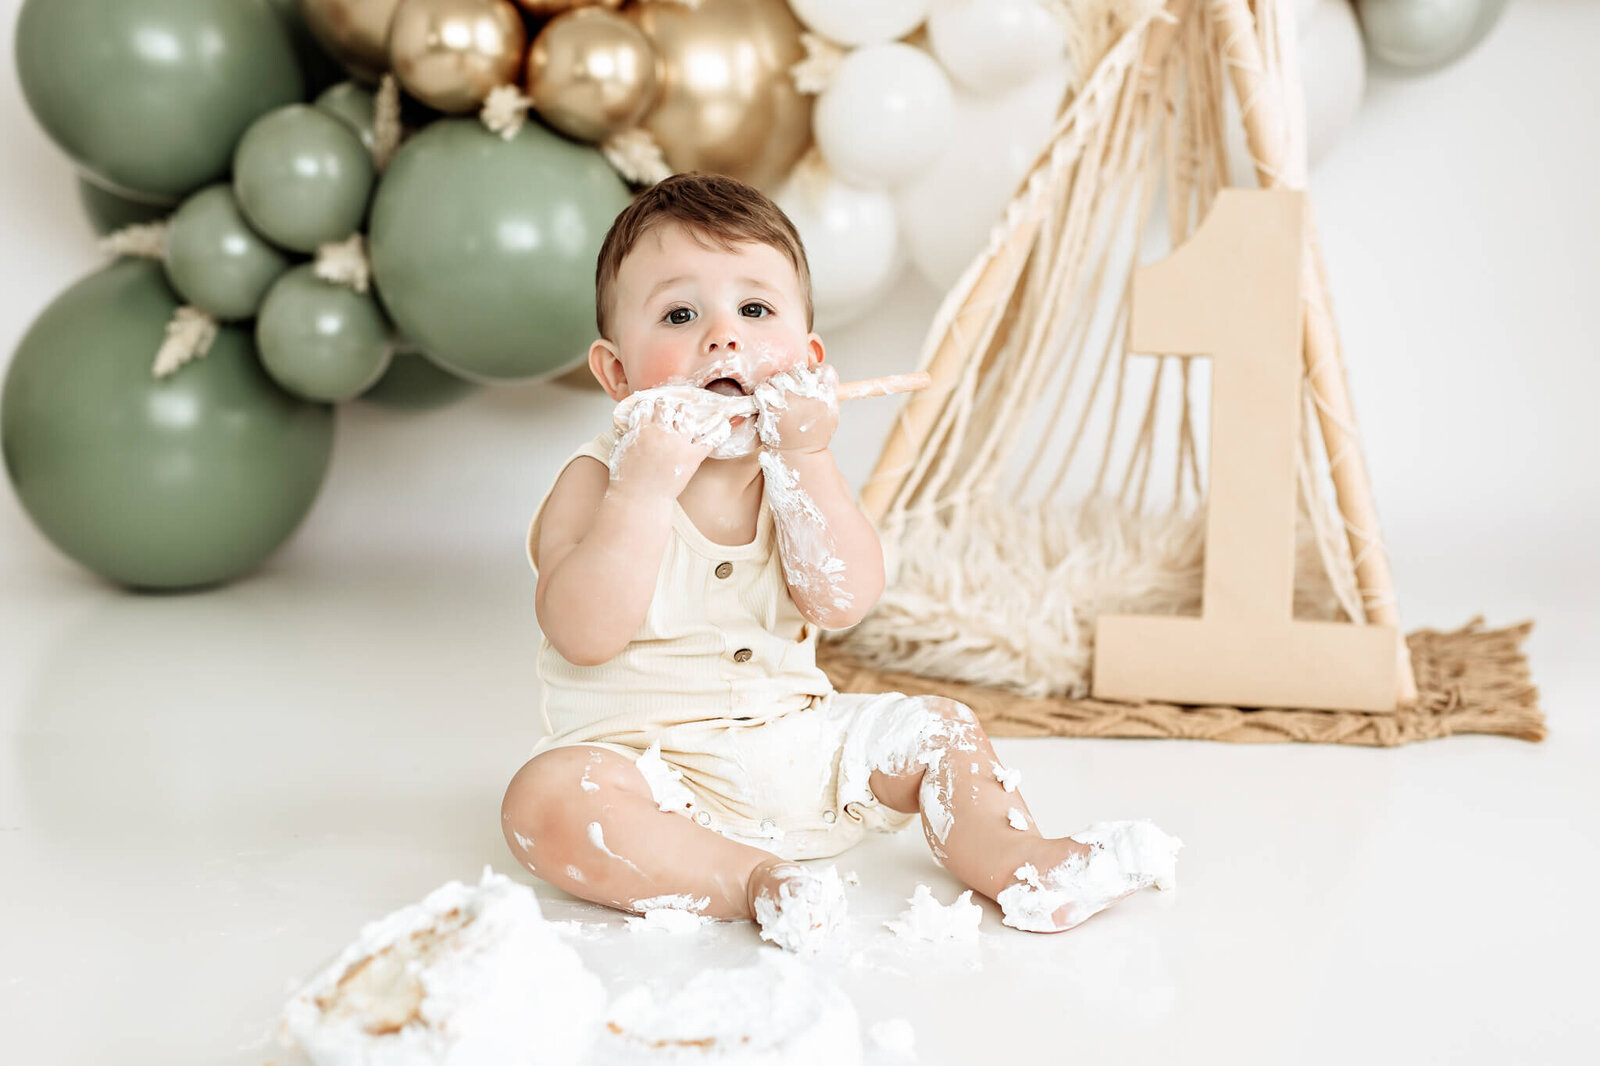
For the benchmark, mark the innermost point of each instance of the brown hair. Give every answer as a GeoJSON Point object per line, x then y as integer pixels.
{"type": "Point", "coordinates": [712, 207]}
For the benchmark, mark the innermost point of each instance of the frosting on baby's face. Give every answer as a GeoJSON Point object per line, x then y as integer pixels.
{"type": "Point", "coordinates": [687, 311]}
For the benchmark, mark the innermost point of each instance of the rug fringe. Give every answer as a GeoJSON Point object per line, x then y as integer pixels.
{"type": "Point", "coordinates": [1469, 680]}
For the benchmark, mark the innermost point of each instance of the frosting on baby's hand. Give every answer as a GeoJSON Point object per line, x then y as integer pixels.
{"type": "Point", "coordinates": [798, 409]}
{"type": "Point", "coordinates": [704, 416]}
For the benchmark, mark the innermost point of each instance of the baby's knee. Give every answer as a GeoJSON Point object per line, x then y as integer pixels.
{"type": "Point", "coordinates": [950, 710]}
{"type": "Point", "coordinates": [546, 805]}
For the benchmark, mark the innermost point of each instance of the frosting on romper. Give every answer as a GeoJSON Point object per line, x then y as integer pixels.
{"type": "Point", "coordinates": [722, 674]}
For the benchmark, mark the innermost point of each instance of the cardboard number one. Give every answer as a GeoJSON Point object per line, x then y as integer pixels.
{"type": "Point", "coordinates": [1233, 292]}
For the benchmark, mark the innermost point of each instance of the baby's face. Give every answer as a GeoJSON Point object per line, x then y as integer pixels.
{"type": "Point", "coordinates": [686, 312]}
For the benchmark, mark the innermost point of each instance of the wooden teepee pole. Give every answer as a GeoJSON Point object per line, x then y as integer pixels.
{"type": "Point", "coordinates": [909, 433]}
{"type": "Point", "coordinates": [1262, 108]}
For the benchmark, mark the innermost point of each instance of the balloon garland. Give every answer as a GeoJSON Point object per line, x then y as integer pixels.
{"type": "Point", "coordinates": [312, 201]}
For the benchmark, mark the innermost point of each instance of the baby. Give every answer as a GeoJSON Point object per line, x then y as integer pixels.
{"type": "Point", "coordinates": [687, 559]}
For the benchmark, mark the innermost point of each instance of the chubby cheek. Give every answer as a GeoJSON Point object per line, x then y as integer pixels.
{"type": "Point", "coordinates": [660, 363]}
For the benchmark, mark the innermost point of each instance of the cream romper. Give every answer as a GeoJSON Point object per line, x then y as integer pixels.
{"type": "Point", "coordinates": [722, 674]}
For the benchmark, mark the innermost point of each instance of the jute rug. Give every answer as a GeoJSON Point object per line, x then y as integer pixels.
{"type": "Point", "coordinates": [1470, 680]}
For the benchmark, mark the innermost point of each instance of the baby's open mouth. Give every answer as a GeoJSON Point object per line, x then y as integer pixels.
{"type": "Point", "coordinates": [725, 387]}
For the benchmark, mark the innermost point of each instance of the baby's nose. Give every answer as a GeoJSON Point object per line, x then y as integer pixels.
{"type": "Point", "coordinates": [722, 341]}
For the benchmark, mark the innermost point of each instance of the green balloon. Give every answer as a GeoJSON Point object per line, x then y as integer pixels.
{"type": "Point", "coordinates": [302, 177]}
{"type": "Point", "coordinates": [109, 212]}
{"type": "Point", "coordinates": [215, 260]}
{"type": "Point", "coordinates": [413, 382]}
{"type": "Point", "coordinates": [351, 103]}
{"type": "Point", "coordinates": [319, 340]}
{"type": "Point", "coordinates": [150, 97]}
{"type": "Point", "coordinates": [1417, 36]}
{"type": "Point", "coordinates": [184, 481]}
{"type": "Point", "coordinates": [484, 249]}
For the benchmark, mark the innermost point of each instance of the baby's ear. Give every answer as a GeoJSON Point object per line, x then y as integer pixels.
{"type": "Point", "coordinates": [815, 352]}
{"type": "Point", "coordinates": [606, 366]}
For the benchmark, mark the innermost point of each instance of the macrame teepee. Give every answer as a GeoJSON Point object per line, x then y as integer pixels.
{"type": "Point", "coordinates": [1046, 477]}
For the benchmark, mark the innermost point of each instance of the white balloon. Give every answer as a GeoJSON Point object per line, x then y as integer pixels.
{"type": "Point", "coordinates": [852, 243]}
{"type": "Point", "coordinates": [856, 23]}
{"type": "Point", "coordinates": [946, 215]}
{"type": "Point", "coordinates": [989, 46]}
{"type": "Point", "coordinates": [1333, 74]}
{"type": "Point", "coordinates": [884, 116]}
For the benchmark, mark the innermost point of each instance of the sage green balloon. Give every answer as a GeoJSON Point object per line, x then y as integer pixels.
{"type": "Point", "coordinates": [180, 482]}
{"type": "Point", "coordinates": [215, 260]}
{"type": "Point", "coordinates": [151, 96]}
{"type": "Point", "coordinates": [351, 103]}
{"type": "Point", "coordinates": [1418, 36]}
{"type": "Point", "coordinates": [321, 341]}
{"type": "Point", "coordinates": [109, 211]}
{"type": "Point", "coordinates": [302, 177]}
{"type": "Point", "coordinates": [484, 249]}
{"type": "Point", "coordinates": [414, 382]}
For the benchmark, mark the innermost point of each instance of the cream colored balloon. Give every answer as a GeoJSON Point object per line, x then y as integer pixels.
{"type": "Point", "coordinates": [450, 53]}
{"type": "Point", "coordinates": [727, 103]}
{"type": "Point", "coordinates": [354, 32]}
{"type": "Point", "coordinates": [591, 74]}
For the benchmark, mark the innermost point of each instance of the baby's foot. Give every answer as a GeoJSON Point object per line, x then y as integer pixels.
{"type": "Point", "coordinates": [796, 908]}
{"type": "Point", "coordinates": [1088, 872]}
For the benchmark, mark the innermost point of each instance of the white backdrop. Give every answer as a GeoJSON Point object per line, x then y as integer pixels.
{"type": "Point", "coordinates": [201, 795]}
{"type": "Point", "coordinates": [1459, 216]}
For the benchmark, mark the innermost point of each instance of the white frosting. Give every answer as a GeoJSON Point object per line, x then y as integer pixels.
{"type": "Point", "coordinates": [666, 782]}
{"type": "Point", "coordinates": [778, 1012]}
{"type": "Point", "coordinates": [907, 735]}
{"type": "Point", "coordinates": [805, 544]}
{"type": "Point", "coordinates": [807, 909]}
{"type": "Point", "coordinates": [1124, 857]}
{"type": "Point", "coordinates": [669, 914]}
{"type": "Point", "coordinates": [666, 920]}
{"type": "Point", "coordinates": [681, 901]}
{"type": "Point", "coordinates": [470, 975]}
{"type": "Point", "coordinates": [1017, 818]}
{"type": "Point", "coordinates": [597, 837]}
{"type": "Point", "coordinates": [699, 413]}
{"type": "Point", "coordinates": [894, 1037]}
{"type": "Point", "coordinates": [927, 919]}
{"type": "Point", "coordinates": [772, 396]}
{"type": "Point", "coordinates": [1008, 777]}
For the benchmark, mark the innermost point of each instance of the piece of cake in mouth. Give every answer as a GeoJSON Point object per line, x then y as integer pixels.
{"type": "Point", "coordinates": [471, 975]}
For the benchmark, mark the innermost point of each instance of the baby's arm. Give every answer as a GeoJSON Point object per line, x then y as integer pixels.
{"type": "Point", "coordinates": [831, 555]}
{"type": "Point", "coordinates": [603, 535]}
{"type": "Point", "coordinates": [834, 578]}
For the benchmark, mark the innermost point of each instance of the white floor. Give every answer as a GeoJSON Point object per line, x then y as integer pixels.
{"type": "Point", "coordinates": [202, 797]}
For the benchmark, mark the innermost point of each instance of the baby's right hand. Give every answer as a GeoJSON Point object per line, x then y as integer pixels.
{"type": "Point", "coordinates": [664, 443]}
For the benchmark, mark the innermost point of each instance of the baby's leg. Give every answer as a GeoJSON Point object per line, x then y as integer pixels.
{"type": "Point", "coordinates": [584, 819]}
{"type": "Point", "coordinates": [977, 829]}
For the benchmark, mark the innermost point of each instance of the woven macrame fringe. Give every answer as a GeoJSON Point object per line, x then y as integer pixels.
{"type": "Point", "coordinates": [1470, 680]}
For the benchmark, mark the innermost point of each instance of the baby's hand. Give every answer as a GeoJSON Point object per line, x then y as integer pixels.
{"type": "Point", "coordinates": [798, 410]}
{"type": "Point", "coordinates": [666, 438]}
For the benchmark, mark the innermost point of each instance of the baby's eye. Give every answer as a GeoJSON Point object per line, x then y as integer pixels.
{"type": "Point", "coordinates": [680, 316]}
{"type": "Point", "coordinates": [755, 310]}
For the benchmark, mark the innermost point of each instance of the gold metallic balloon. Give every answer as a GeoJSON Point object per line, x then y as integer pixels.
{"type": "Point", "coordinates": [727, 104]}
{"type": "Point", "coordinates": [354, 32]}
{"type": "Point", "coordinates": [450, 53]}
{"type": "Point", "coordinates": [543, 8]}
{"type": "Point", "coordinates": [591, 73]}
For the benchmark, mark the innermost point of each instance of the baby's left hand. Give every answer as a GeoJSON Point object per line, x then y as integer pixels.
{"type": "Point", "coordinates": [798, 410]}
